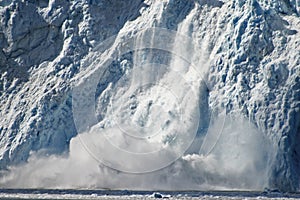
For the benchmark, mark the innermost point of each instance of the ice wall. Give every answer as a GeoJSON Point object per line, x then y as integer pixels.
{"type": "Point", "coordinates": [248, 51]}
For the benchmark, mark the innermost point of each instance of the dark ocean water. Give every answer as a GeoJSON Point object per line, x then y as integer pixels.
{"type": "Point", "coordinates": [128, 194]}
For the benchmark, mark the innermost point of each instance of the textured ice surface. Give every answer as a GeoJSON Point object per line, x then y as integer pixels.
{"type": "Point", "coordinates": [249, 50]}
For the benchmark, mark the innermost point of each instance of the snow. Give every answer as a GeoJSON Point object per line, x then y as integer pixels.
{"type": "Point", "coordinates": [62, 61]}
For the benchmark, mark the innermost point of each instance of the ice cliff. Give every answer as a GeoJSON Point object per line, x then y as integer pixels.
{"type": "Point", "coordinates": [249, 51]}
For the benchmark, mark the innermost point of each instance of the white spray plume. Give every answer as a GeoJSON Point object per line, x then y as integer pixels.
{"type": "Point", "coordinates": [239, 159]}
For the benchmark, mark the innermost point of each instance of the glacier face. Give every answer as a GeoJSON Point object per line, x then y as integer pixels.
{"type": "Point", "coordinates": [247, 51]}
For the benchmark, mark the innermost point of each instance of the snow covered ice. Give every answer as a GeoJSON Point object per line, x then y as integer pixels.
{"type": "Point", "coordinates": [179, 95]}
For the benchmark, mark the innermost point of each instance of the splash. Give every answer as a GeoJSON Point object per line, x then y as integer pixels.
{"type": "Point", "coordinates": [238, 160]}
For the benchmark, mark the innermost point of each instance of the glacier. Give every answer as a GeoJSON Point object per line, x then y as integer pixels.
{"type": "Point", "coordinates": [223, 74]}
